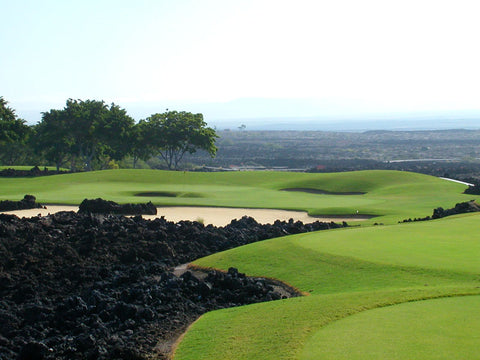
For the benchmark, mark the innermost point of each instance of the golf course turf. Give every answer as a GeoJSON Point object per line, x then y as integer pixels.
{"type": "Point", "coordinates": [354, 271]}
{"type": "Point", "coordinates": [390, 195]}
{"type": "Point", "coordinates": [342, 281]}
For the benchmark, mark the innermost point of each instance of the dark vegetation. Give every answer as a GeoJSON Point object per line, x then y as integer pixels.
{"type": "Point", "coordinates": [88, 135]}
{"type": "Point", "coordinates": [89, 286]}
{"type": "Point", "coordinates": [460, 208]}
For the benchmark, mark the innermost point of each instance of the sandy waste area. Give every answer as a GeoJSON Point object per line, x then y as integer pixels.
{"type": "Point", "coordinates": [207, 215]}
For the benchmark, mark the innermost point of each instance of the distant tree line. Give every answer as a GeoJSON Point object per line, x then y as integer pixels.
{"type": "Point", "coordinates": [90, 134]}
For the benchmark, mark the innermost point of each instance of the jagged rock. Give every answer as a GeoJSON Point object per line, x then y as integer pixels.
{"type": "Point", "coordinates": [100, 206]}
{"type": "Point", "coordinates": [460, 208]}
{"type": "Point", "coordinates": [82, 285]}
{"type": "Point", "coordinates": [33, 172]}
{"type": "Point", "coordinates": [28, 202]}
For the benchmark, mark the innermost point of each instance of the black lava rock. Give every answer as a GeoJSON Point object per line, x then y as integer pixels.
{"type": "Point", "coordinates": [91, 286]}
{"type": "Point", "coordinates": [100, 206]}
{"type": "Point", "coordinates": [28, 202]}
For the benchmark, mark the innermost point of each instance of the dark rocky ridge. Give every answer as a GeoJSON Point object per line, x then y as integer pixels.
{"type": "Point", "coordinates": [84, 286]}
{"type": "Point", "coordinates": [100, 206]}
{"type": "Point", "coordinates": [459, 208]}
{"type": "Point", "coordinates": [28, 202]}
{"type": "Point", "coordinates": [33, 172]}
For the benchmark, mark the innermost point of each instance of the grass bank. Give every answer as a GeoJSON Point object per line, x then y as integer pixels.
{"type": "Point", "coordinates": [346, 272]}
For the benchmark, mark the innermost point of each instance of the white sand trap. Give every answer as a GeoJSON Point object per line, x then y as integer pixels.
{"type": "Point", "coordinates": [207, 215]}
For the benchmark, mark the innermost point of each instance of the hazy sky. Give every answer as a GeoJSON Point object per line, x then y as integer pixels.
{"type": "Point", "coordinates": [224, 57]}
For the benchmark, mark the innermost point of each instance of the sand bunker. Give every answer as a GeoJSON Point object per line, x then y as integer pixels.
{"type": "Point", "coordinates": [323, 192]}
{"type": "Point", "coordinates": [207, 215]}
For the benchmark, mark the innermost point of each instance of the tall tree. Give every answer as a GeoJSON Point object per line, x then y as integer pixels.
{"type": "Point", "coordinates": [53, 137]}
{"type": "Point", "coordinates": [84, 118]}
{"type": "Point", "coordinates": [114, 130]}
{"type": "Point", "coordinates": [140, 148]}
{"type": "Point", "coordinates": [174, 133]}
{"type": "Point", "coordinates": [13, 135]}
{"type": "Point", "coordinates": [89, 130]}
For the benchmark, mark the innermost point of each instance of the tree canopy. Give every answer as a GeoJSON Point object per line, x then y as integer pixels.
{"type": "Point", "coordinates": [90, 134]}
{"type": "Point", "coordinates": [172, 134]}
{"type": "Point", "coordinates": [85, 130]}
{"type": "Point", "coordinates": [13, 134]}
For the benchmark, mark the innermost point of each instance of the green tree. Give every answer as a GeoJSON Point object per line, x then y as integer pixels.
{"type": "Point", "coordinates": [14, 134]}
{"type": "Point", "coordinates": [172, 134]}
{"type": "Point", "coordinates": [89, 131]}
{"type": "Point", "coordinates": [140, 148]}
{"type": "Point", "coordinates": [115, 131]}
{"type": "Point", "coordinates": [53, 138]}
{"type": "Point", "coordinates": [84, 119]}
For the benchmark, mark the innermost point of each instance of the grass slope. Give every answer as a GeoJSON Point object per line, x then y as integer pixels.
{"type": "Point", "coordinates": [283, 329]}
{"type": "Point", "coordinates": [391, 195]}
{"type": "Point", "coordinates": [346, 272]}
{"type": "Point", "coordinates": [405, 331]}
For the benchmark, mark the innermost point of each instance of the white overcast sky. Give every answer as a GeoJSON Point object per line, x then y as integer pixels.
{"type": "Point", "coordinates": [336, 56]}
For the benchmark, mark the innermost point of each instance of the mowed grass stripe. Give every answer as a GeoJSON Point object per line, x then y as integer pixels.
{"type": "Point", "coordinates": [423, 253]}
{"type": "Point", "coordinates": [451, 243]}
{"type": "Point", "coordinates": [281, 329]}
{"type": "Point", "coordinates": [447, 328]}
{"type": "Point", "coordinates": [371, 273]}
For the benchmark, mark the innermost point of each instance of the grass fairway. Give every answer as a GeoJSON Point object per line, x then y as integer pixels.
{"type": "Point", "coordinates": [404, 331]}
{"type": "Point", "coordinates": [391, 195]}
{"type": "Point", "coordinates": [346, 272]}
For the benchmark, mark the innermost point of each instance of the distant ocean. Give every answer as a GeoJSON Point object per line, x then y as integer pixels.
{"type": "Point", "coordinates": [302, 124]}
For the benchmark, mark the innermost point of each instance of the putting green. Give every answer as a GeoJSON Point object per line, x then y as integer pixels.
{"type": "Point", "coordinates": [346, 272]}
{"type": "Point", "coordinates": [435, 253]}
{"type": "Point", "coordinates": [447, 328]}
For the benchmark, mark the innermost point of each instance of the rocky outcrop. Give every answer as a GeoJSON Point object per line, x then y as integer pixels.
{"type": "Point", "coordinates": [100, 206]}
{"type": "Point", "coordinates": [33, 172]}
{"type": "Point", "coordinates": [460, 208]}
{"type": "Point", "coordinates": [28, 202]}
{"type": "Point", "coordinates": [86, 286]}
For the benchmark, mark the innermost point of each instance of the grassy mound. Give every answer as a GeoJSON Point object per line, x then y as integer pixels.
{"type": "Point", "coordinates": [405, 331]}
{"type": "Point", "coordinates": [346, 272]}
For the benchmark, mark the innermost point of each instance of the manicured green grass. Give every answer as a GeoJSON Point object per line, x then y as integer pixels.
{"type": "Point", "coordinates": [282, 329]}
{"type": "Point", "coordinates": [434, 253]}
{"type": "Point", "coordinates": [391, 195]}
{"type": "Point", "coordinates": [405, 331]}
{"type": "Point", "coordinates": [346, 272]}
